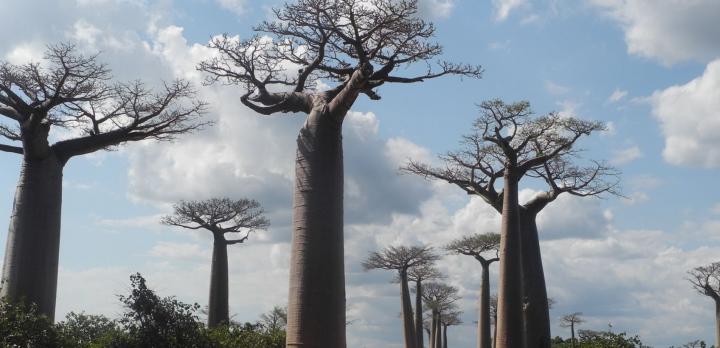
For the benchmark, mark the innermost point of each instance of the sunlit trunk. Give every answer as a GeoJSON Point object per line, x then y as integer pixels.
{"type": "Point", "coordinates": [536, 312]}
{"type": "Point", "coordinates": [484, 310]}
{"type": "Point", "coordinates": [30, 270]}
{"type": "Point", "coordinates": [218, 312]}
{"type": "Point", "coordinates": [510, 325]}
{"type": "Point", "coordinates": [419, 314]}
{"type": "Point", "coordinates": [316, 302]}
{"type": "Point", "coordinates": [407, 313]}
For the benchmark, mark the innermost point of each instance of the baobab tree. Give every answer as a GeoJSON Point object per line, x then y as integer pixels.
{"type": "Point", "coordinates": [222, 217]}
{"type": "Point", "coordinates": [484, 248]}
{"type": "Point", "coordinates": [359, 46]}
{"type": "Point", "coordinates": [446, 320]}
{"type": "Point", "coordinates": [508, 142]}
{"type": "Point", "coordinates": [438, 299]}
{"type": "Point", "coordinates": [493, 314]}
{"type": "Point", "coordinates": [571, 320]}
{"type": "Point", "coordinates": [70, 92]}
{"type": "Point", "coordinates": [418, 275]}
{"type": "Point", "coordinates": [401, 259]}
{"type": "Point", "coordinates": [706, 280]}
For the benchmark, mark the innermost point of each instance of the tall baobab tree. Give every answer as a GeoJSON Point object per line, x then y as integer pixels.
{"type": "Point", "coordinates": [72, 92]}
{"type": "Point", "coordinates": [493, 314]}
{"type": "Point", "coordinates": [571, 320]}
{"type": "Point", "coordinates": [706, 280]}
{"type": "Point", "coordinates": [222, 217]}
{"type": "Point", "coordinates": [401, 259]}
{"type": "Point", "coordinates": [359, 46]}
{"type": "Point", "coordinates": [508, 142]}
{"type": "Point", "coordinates": [439, 299]}
{"type": "Point", "coordinates": [446, 320]}
{"type": "Point", "coordinates": [418, 275]}
{"type": "Point", "coordinates": [479, 246]}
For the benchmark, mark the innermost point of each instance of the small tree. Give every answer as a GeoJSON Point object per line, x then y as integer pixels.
{"type": "Point", "coordinates": [219, 216]}
{"type": "Point", "coordinates": [72, 92]}
{"type": "Point", "coordinates": [449, 319]}
{"type": "Point", "coordinates": [571, 320]}
{"type": "Point", "coordinates": [356, 46]}
{"type": "Point", "coordinates": [706, 280]}
{"type": "Point", "coordinates": [418, 275]}
{"type": "Point", "coordinates": [479, 246]}
{"type": "Point", "coordinates": [401, 259]}
{"type": "Point", "coordinates": [439, 299]}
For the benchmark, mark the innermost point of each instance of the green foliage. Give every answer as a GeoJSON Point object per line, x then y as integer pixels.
{"type": "Point", "coordinates": [248, 335]}
{"type": "Point", "coordinates": [87, 330]}
{"type": "Point", "coordinates": [600, 339]}
{"type": "Point", "coordinates": [23, 326]}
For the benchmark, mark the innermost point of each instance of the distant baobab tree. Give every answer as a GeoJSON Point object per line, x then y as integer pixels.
{"type": "Point", "coordinates": [508, 143]}
{"type": "Point", "coordinates": [221, 216]}
{"type": "Point", "coordinates": [401, 259]}
{"type": "Point", "coordinates": [357, 46]}
{"type": "Point", "coordinates": [484, 248]}
{"type": "Point", "coordinates": [439, 299]}
{"type": "Point", "coordinates": [71, 92]}
{"type": "Point", "coordinates": [418, 275]}
{"type": "Point", "coordinates": [706, 280]}
{"type": "Point", "coordinates": [571, 320]}
{"type": "Point", "coordinates": [447, 320]}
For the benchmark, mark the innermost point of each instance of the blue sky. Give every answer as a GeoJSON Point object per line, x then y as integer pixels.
{"type": "Point", "coordinates": [649, 69]}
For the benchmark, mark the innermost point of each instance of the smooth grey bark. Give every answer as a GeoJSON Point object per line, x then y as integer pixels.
{"type": "Point", "coordinates": [510, 317]}
{"type": "Point", "coordinates": [536, 313]}
{"type": "Point", "coordinates": [445, 343]}
{"type": "Point", "coordinates": [484, 310]}
{"type": "Point", "coordinates": [218, 306]}
{"type": "Point", "coordinates": [419, 314]}
{"type": "Point", "coordinates": [409, 334]}
{"type": "Point", "coordinates": [433, 329]}
{"type": "Point", "coordinates": [30, 270]}
{"type": "Point", "coordinates": [316, 305]}
{"type": "Point", "coordinates": [438, 331]}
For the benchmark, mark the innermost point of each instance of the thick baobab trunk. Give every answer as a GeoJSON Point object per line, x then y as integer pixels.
{"type": "Point", "coordinates": [218, 312]}
{"type": "Point", "coordinates": [510, 325]}
{"type": "Point", "coordinates": [30, 270]}
{"type": "Point", "coordinates": [536, 313]}
{"type": "Point", "coordinates": [419, 314]}
{"type": "Point", "coordinates": [445, 344]}
{"type": "Point", "coordinates": [433, 328]}
{"type": "Point", "coordinates": [438, 332]}
{"type": "Point", "coordinates": [316, 304]}
{"type": "Point", "coordinates": [407, 312]}
{"type": "Point", "coordinates": [484, 310]}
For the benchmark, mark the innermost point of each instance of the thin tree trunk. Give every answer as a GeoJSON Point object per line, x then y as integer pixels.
{"type": "Point", "coordinates": [536, 313]}
{"type": "Point", "coordinates": [717, 324]}
{"type": "Point", "coordinates": [316, 303]}
{"type": "Point", "coordinates": [572, 334]}
{"type": "Point", "coordinates": [510, 325]}
{"type": "Point", "coordinates": [218, 312]}
{"type": "Point", "coordinates": [484, 315]}
{"type": "Point", "coordinates": [32, 251]}
{"type": "Point", "coordinates": [433, 329]}
{"type": "Point", "coordinates": [438, 332]}
{"type": "Point", "coordinates": [419, 314]}
{"type": "Point", "coordinates": [445, 344]}
{"type": "Point", "coordinates": [407, 312]}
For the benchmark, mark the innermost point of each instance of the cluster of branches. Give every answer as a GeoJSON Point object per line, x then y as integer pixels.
{"type": "Point", "coordinates": [75, 92]}
{"type": "Point", "coordinates": [328, 39]}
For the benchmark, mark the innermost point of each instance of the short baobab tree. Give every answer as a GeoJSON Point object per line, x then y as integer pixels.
{"type": "Point", "coordinates": [418, 275]}
{"type": "Point", "coordinates": [447, 320]}
{"type": "Point", "coordinates": [706, 280]}
{"type": "Point", "coordinates": [438, 299]}
{"type": "Point", "coordinates": [355, 46]}
{"type": "Point", "coordinates": [508, 143]}
{"type": "Point", "coordinates": [571, 321]}
{"type": "Point", "coordinates": [222, 217]}
{"type": "Point", "coordinates": [401, 259]}
{"type": "Point", "coordinates": [74, 93]}
{"type": "Point", "coordinates": [484, 248]}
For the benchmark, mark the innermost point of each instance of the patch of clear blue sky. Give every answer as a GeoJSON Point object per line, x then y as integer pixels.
{"type": "Point", "coordinates": [580, 50]}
